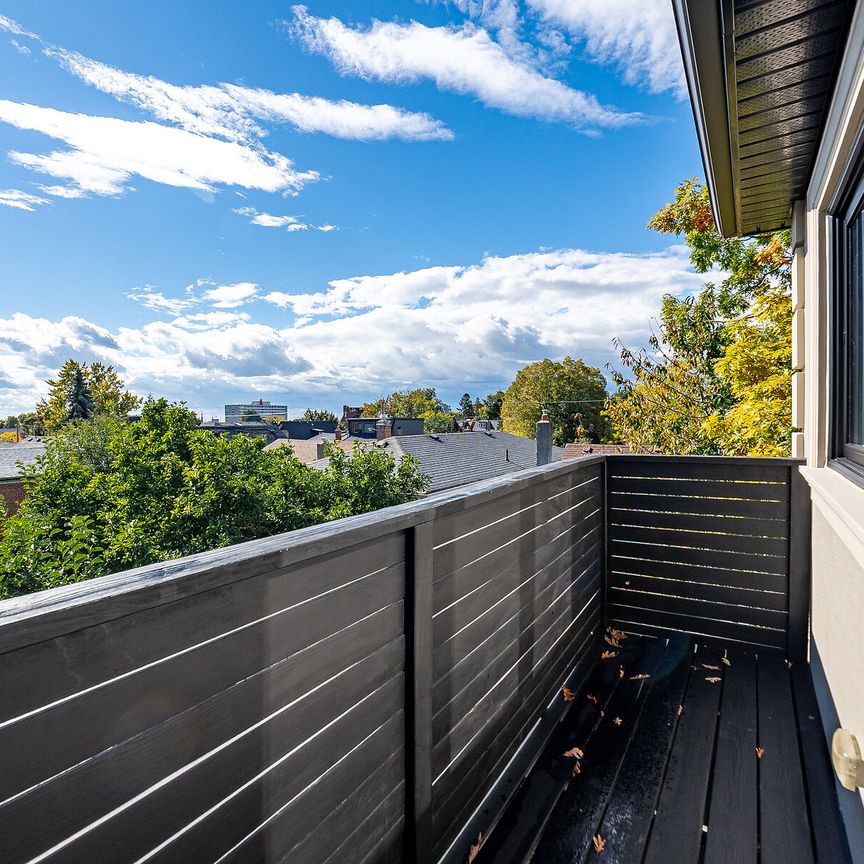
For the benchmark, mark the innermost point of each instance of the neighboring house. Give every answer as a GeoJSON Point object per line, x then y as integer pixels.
{"type": "Point", "coordinates": [263, 408]}
{"type": "Point", "coordinates": [778, 96]}
{"type": "Point", "coordinates": [304, 429]}
{"type": "Point", "coordinates": [452, 459]}
{"type": "Point", "coordinates": [252, 430]}
{"type": "Point", "coordinates": [11, 488]}
{"type": "Point", "coordinates": [311, 449]}
{"type": "Point", "coordinates": [383, 427]}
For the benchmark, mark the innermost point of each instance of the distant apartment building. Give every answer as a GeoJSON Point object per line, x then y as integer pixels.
{"type": "Point", "coordinates": [262, 407]}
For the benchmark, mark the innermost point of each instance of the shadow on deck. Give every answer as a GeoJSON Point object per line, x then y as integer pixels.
{"type": "Point", "coordinates": [676, 752]}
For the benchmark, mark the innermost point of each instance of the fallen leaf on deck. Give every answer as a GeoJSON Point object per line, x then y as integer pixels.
{"type": "Point", "coordinates": [608, 655]}
{"type": "Point", "coordinates": [569, 695]}
{"type": "Point", "coordinates": [475, 848]}
{"type": "Point", "coordinates": [726, 658]}
{"type": "Point", "coordinates": [611, 640]}
{"type": "Point", "coordinates": [680, 710]}
{"type": "Point", "coordinates": [592, 698]}
{"type": "Point", "coordinates": [617, 721]}
{"type": "Point", "coordinates": [640, 677]}
{"type": "Point", "coordinates": [713, 679]}
{"type": "Point", "coordinates": [599, 843]}
{"type": "Point", "coordinates": [577, 769]}
{"type": "Point", "coordinates": [574, 753]}
{"type": "Point", "coordinates": [620, 671]}
{"type": "Point", "coordinates": [760, 752]}
{"type": "Point", "coordinates": [712, 668]}
{"type": "Point", "coordinates": [617, 634]}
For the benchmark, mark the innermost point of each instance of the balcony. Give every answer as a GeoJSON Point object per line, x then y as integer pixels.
{"type": "Point", "coordinates": [389, 687]}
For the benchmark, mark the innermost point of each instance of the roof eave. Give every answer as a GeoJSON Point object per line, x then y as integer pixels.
{"type": "Point", "coordinates": [700, 35]}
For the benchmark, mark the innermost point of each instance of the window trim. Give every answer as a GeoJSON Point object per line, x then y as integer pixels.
{"type": "Point", "coordinates": [849, 456]}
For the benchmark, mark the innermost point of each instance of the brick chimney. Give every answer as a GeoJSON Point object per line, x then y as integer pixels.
{"type": "Point", "coordinates": [338, 434]}
{"type": "Point", "coordinates": [544, 440]}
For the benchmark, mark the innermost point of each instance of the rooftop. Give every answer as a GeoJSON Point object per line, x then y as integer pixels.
{"type": "Point", "coordinates": [12, 454]}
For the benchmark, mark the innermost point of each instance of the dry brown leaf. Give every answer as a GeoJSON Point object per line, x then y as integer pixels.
{"type": "Point", "coordinates": [568, 694]}
{"type": "Point", "coordinates": [574, 753]}
{"type": "Point", "coordinates": [611, 640]}
{"type": "Point", "coordinates": [599, 843]}
{"type": "Point", "coordinates": [475, 848]}
{"type": "Point", "coordinates": [608, 655]}
{"type": "Point", "coordinates": [641, 677]}
{"type": "Point", "coordinates": [592, 698]}
{"type": "Point", "coordinates": [680, 710]}
{"type": "Point", "coordinates": [760, 752]}
{"type": "Point", "coordinates": [726, 661]}
{"type": "Point", "coordinates": [712, 668]}
{"type": "Point", "coordinates": [602, 713]}
{"type": "Point", "coordinates": [713, 679]}
{"type": "Point", "coordinates": [617, 634]}
{"type": "Point", "coordinates": [620, 671]}
{"type": "Point", "coordinates": [577, 769]}
{"type": "Point", "coordinates": [617, 721]}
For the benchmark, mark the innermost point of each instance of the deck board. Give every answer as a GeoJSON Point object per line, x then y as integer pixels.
{"type": "Point", "coordinates": [680, 778]}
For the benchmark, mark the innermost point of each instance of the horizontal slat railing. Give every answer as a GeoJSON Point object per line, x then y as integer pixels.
{"type": "Point", "coordinates": [348, 692]}
{"type": "Point", "coordinates": [716, 547]}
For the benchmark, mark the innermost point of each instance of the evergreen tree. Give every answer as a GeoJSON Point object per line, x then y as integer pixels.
{"type": "Point", "coordinates": [466, 406]}
{"type": "Point", "coordinates": [79, 402]}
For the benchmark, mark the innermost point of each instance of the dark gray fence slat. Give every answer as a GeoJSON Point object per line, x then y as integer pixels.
{"type": "Point", "coordinates": [715, 575]}
{"type": "Point", "coordinates": [367, 703]}
{"type": "Point", "coordinates": [733, 525]}
{"type": "Point", "coordinates": [466, 682]}
{"type": "Point", "coordinates": [777, 546]}
{"type": "Point", "coordinates": [628, 596]}
{"type": "Point", "coordinates": [775, 600]}
{"type": "Point", "coordinates": [96, 654]}
{"type": "Point", "coordinates": [719, 490]}
{"type": "Point", "coordinates": [699, 557]}
{"type": "Point", "coordinates": [74, 730]}
{"type": "Point", "coordinates": [451, 528]}
{"type": "Point", "coordinates": [313, 825]}
{"type": "Point", "coordinates": [68, 803]}
{"type": "Point", "coordinates": [704, 468]}
{"type": "Point", "coordinates": [517, 529]}
{"type": "Point", "coordinates": [694, 505]}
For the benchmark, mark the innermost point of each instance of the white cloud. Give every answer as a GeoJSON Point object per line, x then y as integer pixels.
{"type": "Point", "coordinates": [105, 153]}
{"type": "Point", "coordinates": [460, 59]}
{"type": "Point", "coordinates": [20, 200]}
{"type": "Point", "coordinates": [637, 37]}
{"type": "Point", "coordinates": [21, 49]}
{"type": "Point", "coordinates": [289, 223]}
{"type": "Point", "coordinates": [450, 327]}
{"type": "Point", "coordinates": [230, 111]}
{"type": "Point", "coordinates": [230, 296]}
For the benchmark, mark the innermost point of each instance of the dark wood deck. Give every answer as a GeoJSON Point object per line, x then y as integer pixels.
{"type": "Point", "coordinates": [672, 752]}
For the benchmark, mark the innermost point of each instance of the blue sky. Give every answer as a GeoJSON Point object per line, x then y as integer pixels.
{"type": "Point", "coordinates": [320, 204]}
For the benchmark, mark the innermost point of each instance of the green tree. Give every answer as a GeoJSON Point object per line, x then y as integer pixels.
{"type": "Point", "coordinates": [715, 378]}
{"type": "Point", "coordinates": [406, 403]}
{"type": "Point", "coordinates": [105, 387]}
{"type": "Point", "coordinates": [318, 415]}
{"type": "Point", "coordinates": [572, 392]}
{"type": "Point", "coordinates": [248, 416]}
{"type": "Point", "coordinates": [109, 495]}
{"type": "Point", "coordinates": [492, 406]}
{"type": "Point", "coordinates": [79, 402]}
{"type": "Point", "coordinates": [466, 406]}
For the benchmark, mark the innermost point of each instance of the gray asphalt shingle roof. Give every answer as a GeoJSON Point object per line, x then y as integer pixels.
{"type": "Point", "coordinates": [11, 454]}
{"type": "Point", "coordinates": [456, 458]}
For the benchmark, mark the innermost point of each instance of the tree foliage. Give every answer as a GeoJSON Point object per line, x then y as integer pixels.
{"type": "Point", "coordinates": [492, 406]}
{"type": "Point", "coordinates": [101, 383]}
{"type": "Point", "coordinates": [466, 406]}
{"type": "Point", "coordinates": [422, 402]}
{"type": "Point", "coordinates": [109, 495]}
{"type": "Point", "coordinates": [572, 392]}
{"type": "Point", "coordinates": [319, 415]}
{"type": "Point", "coordinates": [715, 377]}
{"type": "Point", "coordinates": [248, 416]}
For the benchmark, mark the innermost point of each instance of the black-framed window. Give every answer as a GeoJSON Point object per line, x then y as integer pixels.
{"type": "Point", "coordinates": [848, 355]}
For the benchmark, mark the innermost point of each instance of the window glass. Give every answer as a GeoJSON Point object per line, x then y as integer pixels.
{"type": "Point", "coordinates": [855, 333]}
